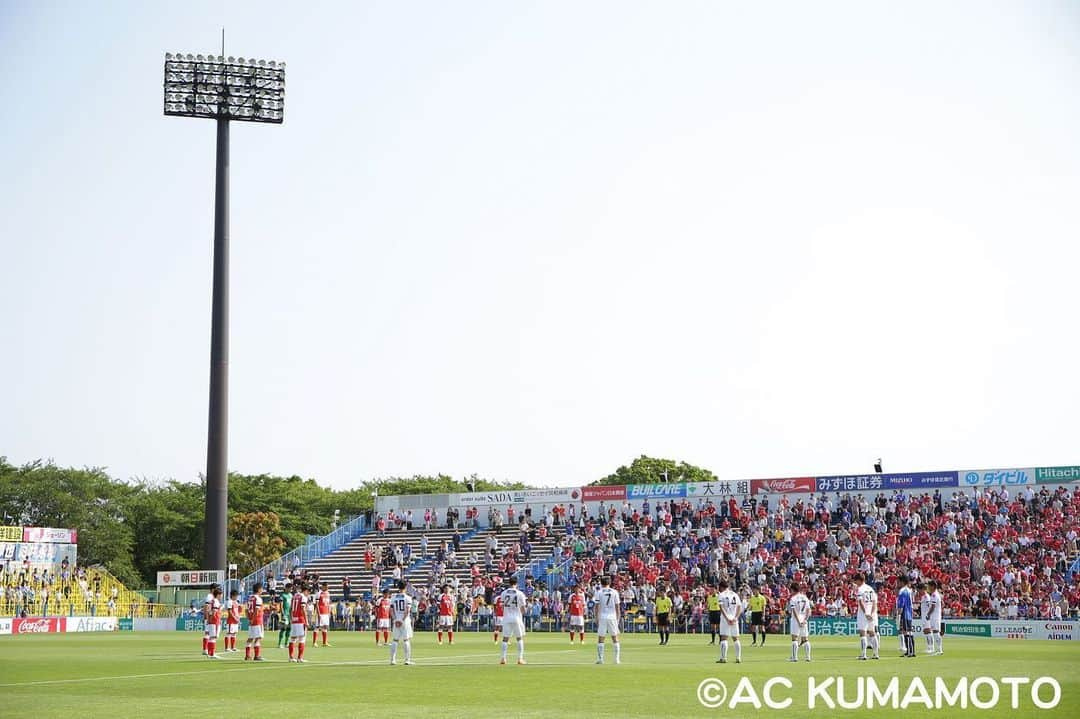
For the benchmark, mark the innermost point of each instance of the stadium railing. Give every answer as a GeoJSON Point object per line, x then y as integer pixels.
{"type": "Point", "coordinates": [315, 549]}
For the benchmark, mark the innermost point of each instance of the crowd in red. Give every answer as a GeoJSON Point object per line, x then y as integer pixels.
{"type": "Point", "coordinates": [996, 551]}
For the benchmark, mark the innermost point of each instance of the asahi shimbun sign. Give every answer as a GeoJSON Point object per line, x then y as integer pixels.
{"type": "Point", "coordinates": [521, 496]}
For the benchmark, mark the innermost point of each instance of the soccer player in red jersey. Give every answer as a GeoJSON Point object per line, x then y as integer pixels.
{"type": "Point", "coordinates": [212, 619]}
{"type": "Point", "coordinates": [255, 624]}
{"type": "Point", "coordinates": [382, 619]}
{"type": "Point", "coordinates": [498, 616]}
{"type": "Point", "coordinates": [298, 625]}
{"type": "Point", "coordinates": [446, 613]}
{"type": "Point", "coordinates": [322, 606]}
{"type": "Point", "coordinates": [577, 614]}
{"type": "Point", "coordinates": [232, 620]}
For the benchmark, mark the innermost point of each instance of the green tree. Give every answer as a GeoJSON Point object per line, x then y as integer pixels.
{"type": "Point", "coordinates": [254, 539]}
{"type": "Point", "coordinates": [649, 470]}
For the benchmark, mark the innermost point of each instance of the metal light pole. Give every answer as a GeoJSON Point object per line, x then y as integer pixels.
{"type": "Point", "coordinates": [221, 89]}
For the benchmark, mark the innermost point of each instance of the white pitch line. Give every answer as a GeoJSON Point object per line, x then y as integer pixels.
{"type": "Point", "coordinates": [274, 664]}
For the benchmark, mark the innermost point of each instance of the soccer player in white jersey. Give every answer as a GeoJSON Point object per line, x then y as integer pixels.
{"type": "Point", "coordinates": [731, 607]}
{"type": "Point", "coordinates": [866, 616]}
{"type": "Point", "coordinates": [401, 605]}
{"type": "Point", "coordinates": [513, 625]}
{"type": "Point", "coordinates": [606, 605]}
{"type": "Point", "coordinates": [799, 608]}
{"type": "Point", "coordinates": [931, 609]}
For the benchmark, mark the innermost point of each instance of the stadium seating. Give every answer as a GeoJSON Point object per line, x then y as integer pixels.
{"type": "Point", "coordinates": [348, 561]}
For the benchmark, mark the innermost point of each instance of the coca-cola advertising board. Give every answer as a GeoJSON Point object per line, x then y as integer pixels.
{"type": "Point", "coordinates": [37, 625]}
{"type": "Point", "coordinates": [789, 485]}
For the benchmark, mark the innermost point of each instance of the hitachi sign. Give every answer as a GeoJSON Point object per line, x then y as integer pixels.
{"type": "Point", "coordinates": [1057, 474]}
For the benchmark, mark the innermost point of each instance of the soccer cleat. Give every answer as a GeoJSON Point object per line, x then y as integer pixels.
{"type": "Point", "coordinates": [440, 642]}
{"type": "Point", "coordinates": [408, 662]}
{"type": "Point", "coordinates": [738, 661]}
{"type": "Point", "coordinates": [807, 659]}
{"type": "Point", "coordinates": [393, 663]}
{"type": "Point", "coordinates": [875, 657]}
{"type": "Point", "coordinates": [618, 661]}
{"type": "Point", "coordinates": [792, 660]}
{"type": "Point", "coordinates": [502, 661]}
{"type": "Point", "coordinates": [213, 656]}
{"type": "Point", "coordinates": [206, 653]}
{"type": "Point", "coordinates": [521, 661]}
{"type": "Point", "coordinates": [258, 659]}
{"type": "Point", "coordinates": [861, 659]}
{"type": "Point", "coordinates": [301, 661]}
{"type": "Point", "coordinates": [721, 661]}
{"type": "Point", "coordinates": [599, 661]}
{"type": "Point", "coordinates": [247, 659]}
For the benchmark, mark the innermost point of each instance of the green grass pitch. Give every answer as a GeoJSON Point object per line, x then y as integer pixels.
{"type": "Point", "coordinates": [164, 675]}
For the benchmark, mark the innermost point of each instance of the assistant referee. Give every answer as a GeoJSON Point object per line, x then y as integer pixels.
{"type": "Point", "coordinates": [757, 616]}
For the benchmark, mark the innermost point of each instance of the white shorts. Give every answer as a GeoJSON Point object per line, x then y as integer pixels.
{"type": "Point", "coordinates": [402, 633]}
{"type": "Point", "coordinates": [212, 631]}
{"type": "Point", "coordinates": [513, 628]}
{"type": "Point", "coordinates": [728, 629]}
{"type": "Point", "coordinates": [933, 624]}
{"type": "Point", "coordinates": [799, 631]}
{"type": "Point", "coordinates": [324, 620]}
{"type": "Point", "coordinates": [255, 631]}
{"type": "Point", "coordinates": [232, 629]}
{"type": "Point", "coordinates": [607, 627]}
{"type": "Point", "coordinates": [383, 624]}
{"type": "Point", "coordinates": [297, 631]}
{"type": "Point", "coordinates": [865, 624]}
{"type": "Point", "coordinates": [576, 620]}
{"type": "Point", "coordinates": [445, 621]}
{"type": "Point", "coordinates": [498, 621]}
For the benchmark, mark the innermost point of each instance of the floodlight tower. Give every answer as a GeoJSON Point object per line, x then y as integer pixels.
{"type": "Point", "coordinates": [221, 89]}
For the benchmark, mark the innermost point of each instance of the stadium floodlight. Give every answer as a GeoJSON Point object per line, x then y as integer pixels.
{"type": "Point", "coordinates": [214, 88]}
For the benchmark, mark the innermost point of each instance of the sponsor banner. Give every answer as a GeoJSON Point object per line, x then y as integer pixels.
{"type": "Point", "coordinates": [91, 624]}
{"type": "Point", "coordinates": [604, 493]}
{"type": "Point", "coordinates": [5, 625]}
{"type": "Point", "coordinates": [11, 534]}
{"type": "Point", "coordinates": [37, 625]}
{"type": "Point", "coordinates": [521, 496]}
{"type": "Point", "coordinates": [783, 486]}
{"type": "Point", "coordinates": [202, 578]}
{"type": "Point", "coordinates": [847, 626]}
{"type": "Point", "coordinates": [967, 629]}
{"type": "Point", "coordinates": [1032, 629]}
{"type": "Point", "coordinates": [725, 488]}
{"type": "Point", "coordinates": [196, 624]}
{"type": "Point", "coordinates": [8, 551]}
{"type": "Point", "coordinates": [996, 477]}
{"type": "Point", "coordinates": [50, 534]}
{"type": "Point", "coordinates": [1058, 475]}
{"type": "Point", "coordinates": [872, 482]}
{"type": "Point", "coordinates": [656, 491]}
{"type": "Point", "coordinates": [152, 625]}
{"type": "Point", "coordinates": [46, 552]}
{"type": "Point", "coordinates": [126, 624]}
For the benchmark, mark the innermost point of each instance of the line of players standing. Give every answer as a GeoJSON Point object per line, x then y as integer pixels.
{"type": "Point", "coordinates": [397, 610]}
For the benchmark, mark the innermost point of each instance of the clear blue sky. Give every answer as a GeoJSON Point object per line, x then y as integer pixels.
{"type": "Point", "coordinates": [534, 240]}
